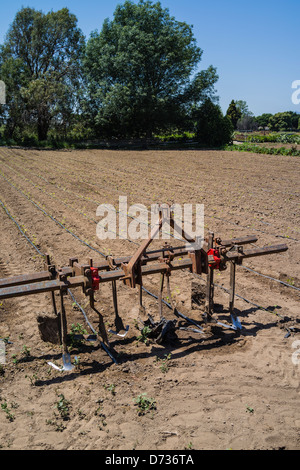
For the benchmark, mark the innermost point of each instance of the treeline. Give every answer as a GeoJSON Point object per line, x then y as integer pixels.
{"type": "Point", "coordinates": [134, 79]}
{"type": "Point", "coordinates": [243, 119]}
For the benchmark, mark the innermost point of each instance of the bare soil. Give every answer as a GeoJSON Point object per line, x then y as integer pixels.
{"type": "Point", "coordinates": [221, 390]}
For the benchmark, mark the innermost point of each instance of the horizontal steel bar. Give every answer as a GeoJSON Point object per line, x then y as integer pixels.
{"type": "Point", "coordinates": [239, 241]}
{"type": "Point", "coordinates": [151, 256]}
{"type": "Point", "coordinates": [25, 279]}
{"type": "Point", "coordinates": [146, 270]}
{"type": "Point", "coordinates": [40, 287]}
{"type": "Point", "coordinates": [80, 281]}
{"type": "Point", "coordinates": [266, 250]}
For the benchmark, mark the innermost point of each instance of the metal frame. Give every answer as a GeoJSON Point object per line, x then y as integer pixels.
{"type": "Point", "coordinates": [214, 254]}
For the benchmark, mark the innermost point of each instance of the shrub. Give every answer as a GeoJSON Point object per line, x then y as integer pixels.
{"type": "Point", "coordinates": [247, 147]}
{"type": "Point", "coordinates": [213, 129]}
{"type": "Point", "coordinates": [275, 138]}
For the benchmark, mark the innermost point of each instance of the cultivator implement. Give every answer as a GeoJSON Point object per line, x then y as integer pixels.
{"type": "Point", "coordinates": [202, 260]}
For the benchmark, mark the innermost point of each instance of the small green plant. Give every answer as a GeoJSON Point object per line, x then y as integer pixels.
{"type": "Point", "coordinates": [189, 446]}
{"type": "Point", "coordinates": [144, 403]}
{"type": "Point", "coordinates": [164, 366]}
{"type": "Point", "coordinates": [111, 388]}
{"type": "Point", "coordinates": [63, 407]}
{"type": "Point", "coordinates": [99, 412]}
{"type": "Point", "coordinates": [81, 414]}
{"type": "Point", "coordinates": [9, 415]}
{"type": "Point", "coordinates": [76, 329]}
{"type": "Point", "coordinates": [99, 408]}
{"type": "Point", "coordinates": [15, 358]}
{"type": "Point", "coordinates": [144, 335]}
{"type": "Point", "coordinates": [25, 352]}
{"type": "Point", "coordinates": [290, 281]}
{"type": "Point", "coordinates": [33, 379]}
{"type": "Point", "coordinates": [57, 426]}
{"type": "Point", "coordinates": [77, 362]}
{"type": "Point", "coordinates": [249, 409]}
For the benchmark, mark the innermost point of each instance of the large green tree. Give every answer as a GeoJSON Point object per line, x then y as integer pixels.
{"type": "Point", "coordinates": [40, 64]}
{"type": "Point", "coordinates": [263, 119]}
{"type": "Point", "coordinates": [213, 129]}
{"type": "Point", "coordinates": [284, 121]}
{"type": "Point", "coordinates": [242, 106]}
{"type": "Point", "coordinates": [141, 70]}
{"type": "Point", "coordinates": [233, 113]}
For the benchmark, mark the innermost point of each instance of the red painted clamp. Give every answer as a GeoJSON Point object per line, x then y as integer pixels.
{"type": "Point", "coordinates": [216, 256]}
{"type": "Point", "coordinates": [95, 278]}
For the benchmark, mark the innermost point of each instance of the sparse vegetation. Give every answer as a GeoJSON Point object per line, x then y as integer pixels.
{"type": "Point", "coordinates": [144, 404]}
{"type": "Point", "coordinates": [76, 329]}
{"type": "Point", "coordinates": [63, 406]}
{"type": "Point", "coordinates": [248, 147]}
{"type": "Point", "coordinates": [111, 388]}
{"type": "Point", "coordinates": [33, 378]}
{"type": "Point", "coordinates": [199, 364]}
{"type": "Point", "coordinates": [9, 415]}
{"type": "Point", "coordinates": [144, 336]}
{"type": "Point", "coordinates": [164, 362]}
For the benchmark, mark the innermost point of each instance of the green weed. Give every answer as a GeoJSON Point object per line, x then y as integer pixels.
{"type": "Point", "coordinates": [144, 404]}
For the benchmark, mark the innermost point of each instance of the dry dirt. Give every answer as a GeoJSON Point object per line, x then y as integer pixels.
{"type": "Point", "coordinates": [219, 391]}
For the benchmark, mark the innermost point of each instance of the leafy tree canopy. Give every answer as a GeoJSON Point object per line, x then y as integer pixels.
{"type": "Point", "coordinates": [213, 129]}
{"type": "Point", "coordinates": [141, 70]}
{"type": "Point", "coordinates": [284, 121]}
{"type": "Point", "coordinates": [242, 106]}
{"type": "Point", "coordinates": [263, 119]}
{"type": "Point", "coordinates": [40, 64]}
{"type": "Point", "coordinates": [233, 113]}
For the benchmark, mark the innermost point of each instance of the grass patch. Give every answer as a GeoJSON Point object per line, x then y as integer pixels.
{"type": "Point", "coordinates": [247, 147]}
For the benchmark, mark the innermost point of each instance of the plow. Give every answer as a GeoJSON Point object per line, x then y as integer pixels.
{"type": "Point", "coordinates": [201, 259]}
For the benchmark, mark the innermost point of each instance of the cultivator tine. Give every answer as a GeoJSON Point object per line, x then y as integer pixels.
{"type": "Point", "coordinates": [67, 365]}
{"type": "Point", "coordinates": [142, 310]}
{"type": "Point", "coordinates": [67, 361]}
{"type": "Point", "coordinates": [235, 320]}
{"type": "Point", "coordinates": [51, 270]}
{"type": "Point", "coordinates": [210, 283]}
{"type": "Point", "coordinates": [118, 320]}
{"type": "Point", "coordinates": [115, 300]}
{"type": "Point", "coordinates": [161, 286]}
{"type": "Point", "coordinates": [101, 326]}
{"type": "Point", "coordinates": [66, 358]}
{"type": "Point", "coordinates": [117, 333]}
{"type": "Point", "coordinates": [169, 291]}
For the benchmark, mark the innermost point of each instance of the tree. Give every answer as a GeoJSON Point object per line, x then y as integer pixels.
{"type": "Point", "coordinates": [247, 120]}
{"type": "Point", "coordinates": [139, 70]}
{"type": "Point", "coordinates": [213, 129]}
{"type": "Point", "coordinates": [263, 120]}
{"type": "Point", "coordinates": [40, 64]}
{"type": "Point", "coordinates": [233, 113]}
{"type": "Point", "coordinates": [242, 106]}
{"type": "Point", "coordinates": [284, 121]}
{"type": "Point", "coordinates": [247, 123]}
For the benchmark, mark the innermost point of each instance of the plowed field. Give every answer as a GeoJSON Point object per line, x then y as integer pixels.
{"type": "Point", "coordinates": [217, 391]}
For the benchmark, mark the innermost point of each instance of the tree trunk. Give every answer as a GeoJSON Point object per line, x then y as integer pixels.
{"type": "Point", "coordinates": [43, 125]}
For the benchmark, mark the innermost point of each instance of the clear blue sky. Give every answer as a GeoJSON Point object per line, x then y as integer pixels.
{"type": "Point", "coordinates": [254, 44]}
